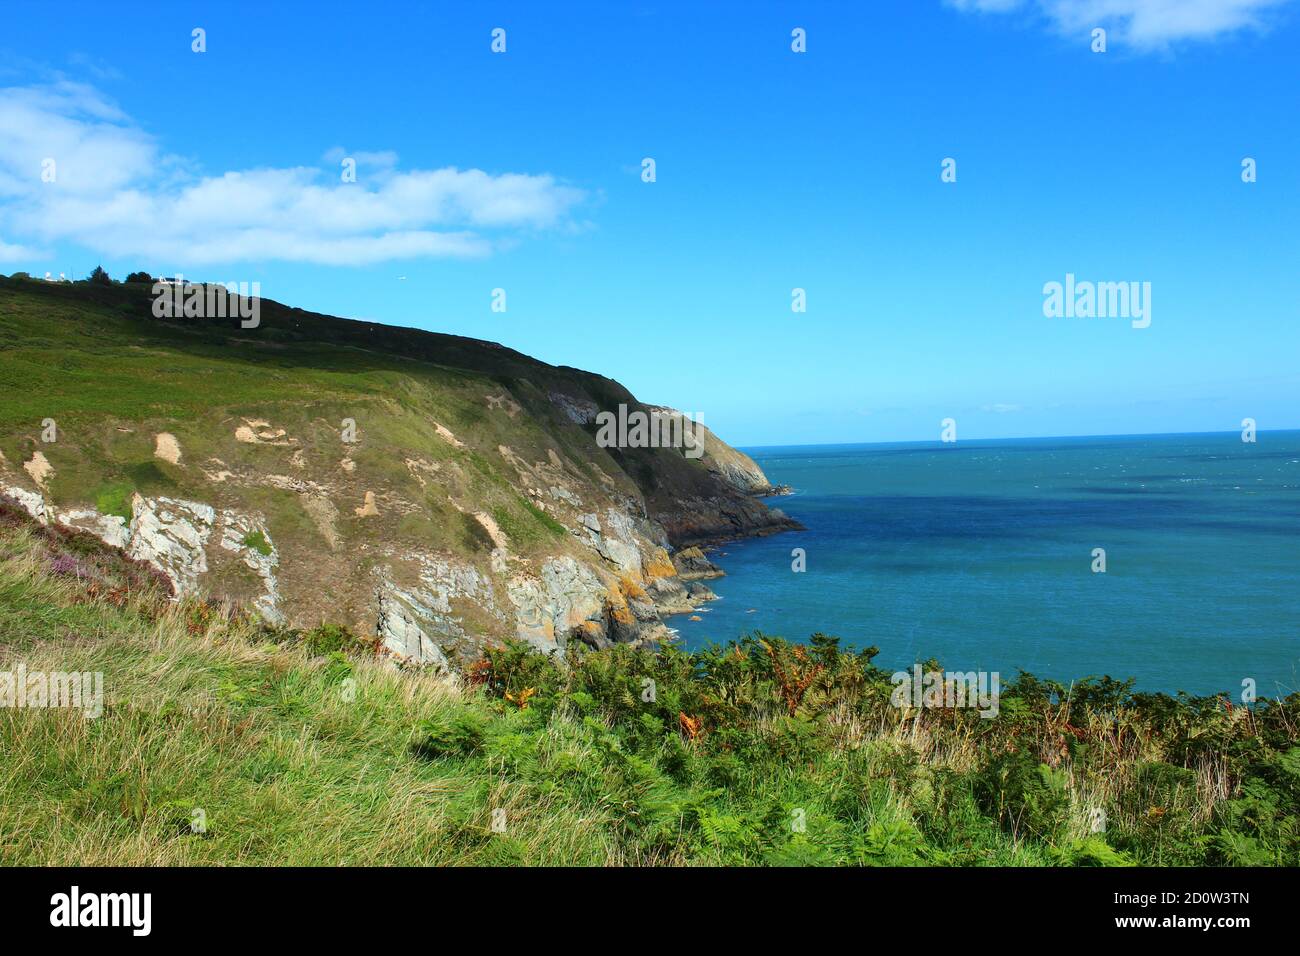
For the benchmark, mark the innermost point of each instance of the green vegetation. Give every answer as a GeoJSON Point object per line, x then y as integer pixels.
{"type": "Point", "coordinates": [93, 357]}
{"type": "Point", "coordinates": [309, 748]}
{"type": "Point", "coordinates": [257, 541]}
{"type": "Point", "coordinates": [528, 526]}
{"type": "Point", "coordinates": [115, 499]}
{"type": "Point", "coordinates": [327, 639]}
{"type": "Point", "coordinates": [545, 520]}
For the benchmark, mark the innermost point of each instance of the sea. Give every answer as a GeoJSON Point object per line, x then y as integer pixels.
{"type": "Point", "coordinates": [1170, 559]}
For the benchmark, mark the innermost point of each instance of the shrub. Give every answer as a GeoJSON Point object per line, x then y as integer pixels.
{"type": "Point", "coordinates": [1026, 796]}
{"type": "Point", "coordinates": [65, 565]}
{"type": "Point", "coordinates": [1261, 826]}
{"type": "Point", "coordinates": [452, 735]}
{"type": "Point", "coordinates": [1090, 851]}
{"type": "Point", "coordinates": [327, 639]}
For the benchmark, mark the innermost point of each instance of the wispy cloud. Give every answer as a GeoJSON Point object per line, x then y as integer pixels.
{"type": "Point", "coordinates": [118, 193]}
{"type": "Point", "coordinates": [11, 253]}
{"type": "Point", "coordinates": [1145, 24]}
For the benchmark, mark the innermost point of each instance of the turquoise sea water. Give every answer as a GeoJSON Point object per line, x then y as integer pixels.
{"type": "Point", "coordinates": [979, 554]}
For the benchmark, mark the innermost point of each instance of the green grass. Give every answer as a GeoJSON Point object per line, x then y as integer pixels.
{"type": "Point", "coordinates": [95, 360]}
{"type": "Point", "coordinates": [526, 525]}
{"type": "Point", "coordinates": [115, 499]}
{"type": "Point", "coordinates": [257, 541]}
{"type": "Point", "coordinates": [307, 748]}
{"type": "Point", "coordinates": [294, 753]}
{"type": "Point", "coordinates": [545, 520]}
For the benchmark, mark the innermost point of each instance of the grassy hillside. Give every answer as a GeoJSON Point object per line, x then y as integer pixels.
{"type": "Point", "coordinates": [304, 748]}
{"type": "Point", "coordinates": [94, 356]}
{"type": "Point", "coordinates": [463, 451]}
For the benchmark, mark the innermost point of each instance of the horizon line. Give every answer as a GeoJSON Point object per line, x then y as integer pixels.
{"type": "Point", "coordinates": [933, 441]}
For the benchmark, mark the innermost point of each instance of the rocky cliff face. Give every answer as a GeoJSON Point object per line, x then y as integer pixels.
{"type": "Point", "coordinates": [437, 492]}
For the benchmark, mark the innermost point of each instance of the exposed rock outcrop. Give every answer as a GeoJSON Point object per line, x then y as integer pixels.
{"type": "Point", "coordinates": [442, 493]}
{"type": "Point", "coordinates": [420, 622]}
{"type": "Point", "coordinates": [172, 536]}
{"type": "Point", "coordinates": [248, 537]}
{"type": "Point", "coordinates": [693, 565]}
{"type": "Point", "coordinates": [551, 605]}
{"type": "Point", "coordinates": [112, 529]}
{"type": "Point", "coordinates": [33, 501]}
{"type": "Point", "coordinates": [177, 538]}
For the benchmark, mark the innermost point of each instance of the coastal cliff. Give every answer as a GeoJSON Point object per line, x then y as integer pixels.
{"type": "Point", "coordinates": [437, 492]}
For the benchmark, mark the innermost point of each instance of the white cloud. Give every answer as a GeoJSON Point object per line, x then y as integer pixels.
{"type": "Point", "coordinates": [1141, 23]}
{"type": "Point", "coordinates": [93, 148]}
{"type": "Point", "coordinates": [117, 193]}
{"type": "Point", "coordinates": [10, 253]}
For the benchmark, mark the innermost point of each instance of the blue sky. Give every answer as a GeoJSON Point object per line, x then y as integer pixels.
{"type": "Point", "coordinates": [775, 170]}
